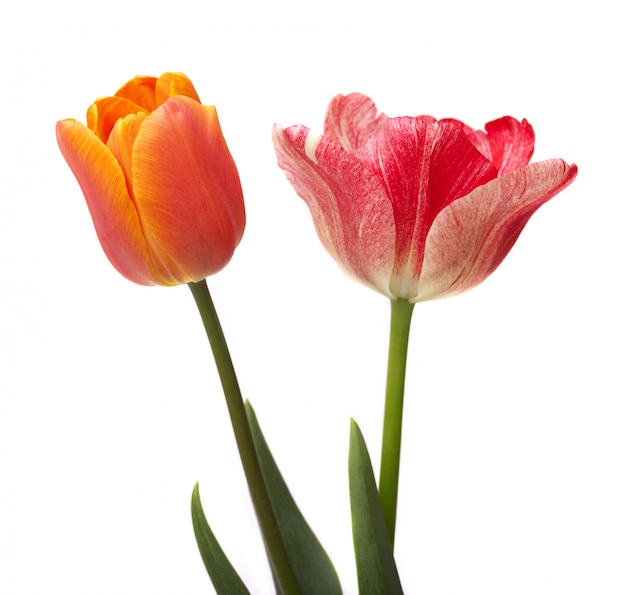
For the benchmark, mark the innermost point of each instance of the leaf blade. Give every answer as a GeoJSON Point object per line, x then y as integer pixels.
{"type": "Point", "coordinates": [312, 566]}
{"type": "Point", "coordinates": [224, 577]}
{"type": "Point", "coordinates": [376, 567]}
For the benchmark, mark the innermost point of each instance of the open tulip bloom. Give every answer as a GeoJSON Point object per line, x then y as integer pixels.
{"type": "Point", "coordinates": [413, 207]}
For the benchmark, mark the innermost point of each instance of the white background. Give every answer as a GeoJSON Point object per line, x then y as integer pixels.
{"type": "Point", "coordinates": [513, 475]}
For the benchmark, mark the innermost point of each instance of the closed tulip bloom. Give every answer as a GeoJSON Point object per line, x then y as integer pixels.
{"type": "Point", "coordinates": [159, 180]}
{"type": "Point", "coordinates": [414, 207]}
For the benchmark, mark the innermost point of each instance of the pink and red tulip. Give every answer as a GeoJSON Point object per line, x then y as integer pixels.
{"type": "Point", "coordinates": [414, 207]}
{"type": "Point", "coordinates": [159, 180]}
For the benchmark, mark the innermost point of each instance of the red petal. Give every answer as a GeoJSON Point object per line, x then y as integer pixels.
{"type": "Point", "coordinates": [471, 237]}
{"type": "Point", "coordinates": [351, 120]}
{"type": "Point", "coordinates": [423, 167]}
{"type": "Point", "coordinates": [350, 208]}
{"type": "Point", "coordinates": [508, 144]}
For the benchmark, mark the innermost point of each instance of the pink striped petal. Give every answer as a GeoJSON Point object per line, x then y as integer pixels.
{"type": "Point", "coordinates": [507, 143]}
{"type": "Point", "coordinates": [350, 208]}
{"type": "Point", "coordinates": [351, 120]}
{"type": "Point", "coordinates": [471, 237]}
{"type": "Point", "coordinates": [423, 168]}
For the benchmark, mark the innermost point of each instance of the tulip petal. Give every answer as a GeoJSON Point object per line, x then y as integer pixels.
{"type": "Point", "coordinates": [507, 143]}
{"type": "Point", "coordinates": [471, 237]}
{"type": "Point", "coordinates": [141, 92]}
{"type": "Point", "coordinates": [174, 83]}
{"type": "Point", "coordinates": [105, 112]}
{"type": "Point", "coordinates": [350, 208]}
{"type": "Point", "coordinates": [187, 191]}
{"type": "Point", "coordinates": [351, 120]}
{"type": "Point", "coordinates": [512, 143]}
{"type": "Point", "coordinates": [104, 186]}
{"type": "Point", "coordinates": [121, 141]}
{"type": "Point", "coordinates": [424, 167]}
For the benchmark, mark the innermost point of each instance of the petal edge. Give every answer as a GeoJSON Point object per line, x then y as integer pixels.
{"type": "Point", "coordinates": [104, 187]}
{"type": "Point", "coordinates": [470, 238]}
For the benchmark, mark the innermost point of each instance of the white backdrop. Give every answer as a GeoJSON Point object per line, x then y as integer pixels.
{"type": "Point", "coordinates": [513, 471]}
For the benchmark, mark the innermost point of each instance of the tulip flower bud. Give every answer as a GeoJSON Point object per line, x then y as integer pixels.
{"type": "Point", "coordinates": [160, 183]}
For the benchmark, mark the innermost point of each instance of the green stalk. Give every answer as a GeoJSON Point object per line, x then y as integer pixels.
{"type": "Point", "coordinates": [401, 311]}
{"type": "Point", "coordinates": [274, 542]}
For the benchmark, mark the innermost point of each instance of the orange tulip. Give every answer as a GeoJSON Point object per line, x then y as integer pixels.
{"type": "Point", "coordinates": [159, 180]}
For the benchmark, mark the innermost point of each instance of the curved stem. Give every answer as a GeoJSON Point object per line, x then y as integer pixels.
{"type": "Point", "coordinates": [265, 514]}
{"type": "Point", "coordinates": [401, 311]}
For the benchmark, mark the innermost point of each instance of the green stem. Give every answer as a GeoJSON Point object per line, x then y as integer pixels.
{"type": "Point", "coordinates": [274, 542]}
{"type": "Point", "coordinates": [401, 311]}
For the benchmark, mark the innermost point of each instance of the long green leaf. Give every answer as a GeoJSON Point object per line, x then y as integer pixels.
{"type": "Point", "coordinates": [315, 572]}
{"type": "Point", "coordinates": [223, 576]}
{"type": "Point", "coordinates": [376, 567]}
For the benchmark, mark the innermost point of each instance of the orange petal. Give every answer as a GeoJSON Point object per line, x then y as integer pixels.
{"type": "Point", "coordinates": [102, 115]}
{"type": "Point", "coordinates": [121, 141]}
{"type": "Point", "coordinates": [141, 91]}
{"type": "Point", "coordinates": [174, 83]}
{"type": "Point", "coordinates": [187, 190]}
{"type": "Point", "coordinates": [104, 186]}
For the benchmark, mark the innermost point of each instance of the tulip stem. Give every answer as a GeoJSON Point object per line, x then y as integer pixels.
{"type": "Point", "coordinates": [401, 311]}
{"type": "Point", "coordinates": [273, 539]}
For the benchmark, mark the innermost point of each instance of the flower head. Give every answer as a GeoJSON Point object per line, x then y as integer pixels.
{"type": "Point", "coordinates": [414, 207]}
{"type": "Point", "coordinates": [159, 180]}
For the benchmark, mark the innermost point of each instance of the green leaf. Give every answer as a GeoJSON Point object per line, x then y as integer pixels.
{"type": "Point", "coordinates": [376, 567]}
{"type": "Point", "coordinates": [223, 576]}
{"type": "Point", "coordinates": [314, 571]}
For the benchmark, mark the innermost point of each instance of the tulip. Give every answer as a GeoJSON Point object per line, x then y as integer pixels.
{"type": "Point", "coordinates": [416, 208]}
{"type": "Point", "coordinates": [160, 183]}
